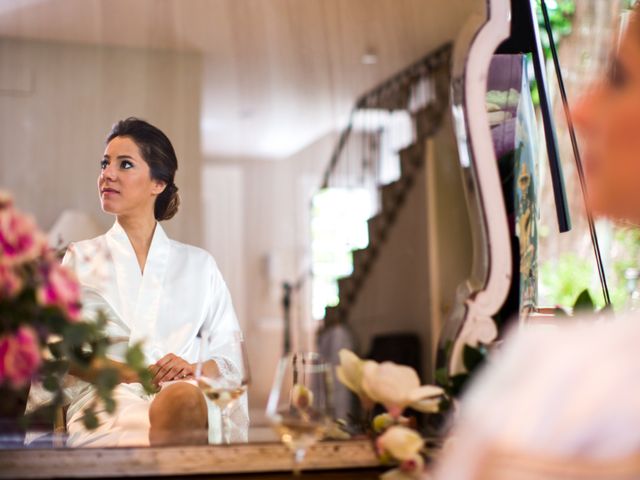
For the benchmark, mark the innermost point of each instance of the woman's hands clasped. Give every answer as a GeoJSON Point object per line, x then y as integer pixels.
{"type": "Point", "coordinates": [171, 367]}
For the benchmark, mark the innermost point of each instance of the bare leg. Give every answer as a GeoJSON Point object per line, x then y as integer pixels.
{"type": "Point", "coordinates": [178, 416]}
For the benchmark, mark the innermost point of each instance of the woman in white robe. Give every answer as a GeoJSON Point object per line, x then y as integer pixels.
{"type": "Point", "coordinates": [152, 289]}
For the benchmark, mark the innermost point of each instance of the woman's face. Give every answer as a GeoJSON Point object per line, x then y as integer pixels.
{"type": "Point", "coordinates": [608, 120]}
{"type": "Point", "coordinates": [125, 184]}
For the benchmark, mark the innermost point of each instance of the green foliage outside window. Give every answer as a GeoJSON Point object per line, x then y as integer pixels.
{"type": "Point", "coordinates": [562, 280]}
{"type": "Point", "coordinates": [561, 14]}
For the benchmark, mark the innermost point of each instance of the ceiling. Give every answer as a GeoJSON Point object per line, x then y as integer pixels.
{"type": "Point", "coordinates": [287, 71]}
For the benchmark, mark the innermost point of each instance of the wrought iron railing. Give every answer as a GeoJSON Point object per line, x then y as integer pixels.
{"type": "Point", "coordinates": [409, 91]}
{"type": "Point", "coordinates": [371, 152]}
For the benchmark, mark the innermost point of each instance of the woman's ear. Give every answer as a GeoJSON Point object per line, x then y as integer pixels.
{"type": "Point", "coordinates": [158, 187]}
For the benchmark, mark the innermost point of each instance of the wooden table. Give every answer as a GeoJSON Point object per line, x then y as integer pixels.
{"type": "Point", "coordinates": [343, 474]}
{"type": "Point", "coordinates": [326, 460]}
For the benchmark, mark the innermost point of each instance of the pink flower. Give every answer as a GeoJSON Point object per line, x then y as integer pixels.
{"type": "Point", "coordinates": [19, 357]}
{"type": "Point", "coordinates": [413, 465]}
{"type": "Point", "coordinates": [61, 289]}
{"type": "Point", "coordinates": [20, 240]}
{"type": "Point", "coordinates": [10, 283]}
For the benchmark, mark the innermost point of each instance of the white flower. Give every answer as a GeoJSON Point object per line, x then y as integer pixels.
{"type": "Point", "coordinates": [349, 372]}
{"type": "Point", "coordinates": [401, 443]}
{"type": "Point", "coordinates": [398, 387]}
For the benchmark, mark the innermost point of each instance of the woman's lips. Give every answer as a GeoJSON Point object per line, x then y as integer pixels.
{"type": "Point", "coordinates": [109, 191]}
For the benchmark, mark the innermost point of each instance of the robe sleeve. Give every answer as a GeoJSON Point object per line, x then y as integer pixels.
{"type": "Point", "coordinates": [220, 323]}
{"type": "Point", "coordinates": [221, 327]}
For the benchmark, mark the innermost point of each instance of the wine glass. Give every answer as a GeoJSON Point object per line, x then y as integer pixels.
{"type": "Point", "coordinates": [300, 403]}
{"type": "Point", "coordinates": [222, 373]}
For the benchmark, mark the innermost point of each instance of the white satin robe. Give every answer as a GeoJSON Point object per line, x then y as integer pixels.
{"type": "Point", "coordinates": [180, 292]}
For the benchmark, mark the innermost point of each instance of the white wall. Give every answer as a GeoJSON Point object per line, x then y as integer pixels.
{"type": "Point", "coordinates": [57, 104]}
{"type": "Point", "coordinates": [223, 225]}
{"type": "Point", "coordinates": [274, 234]}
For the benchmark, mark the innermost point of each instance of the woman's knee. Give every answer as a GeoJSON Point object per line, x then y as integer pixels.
{"type": "Point", "coordinates": [180, 404]}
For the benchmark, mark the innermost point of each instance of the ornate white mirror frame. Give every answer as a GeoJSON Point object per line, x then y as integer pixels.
{"type": "Point", "coordinates": [486, 289]}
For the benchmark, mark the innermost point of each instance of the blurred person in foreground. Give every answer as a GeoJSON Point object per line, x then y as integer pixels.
{"type": "Point", "coordinates": [565, 402]}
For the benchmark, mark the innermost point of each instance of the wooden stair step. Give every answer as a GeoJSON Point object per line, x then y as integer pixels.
{"type": "Point", "coordinates": [442, 83]}
{"type": "Point", "coordinates": [377, 226]}
{"type": "Point", "coordinates": [428, 120]}
{"type": "Point", "coordinates": [347, 287]}
{"type": "Point", "coordinates": [405, 180]}
{"type": "Point", "coordinates": [392, 194]}
{"type": "Point", "coordinates": [362, 259]}
{"type": "Point", "coordinates": [407, 167]}
{"type": "Point", "coordinates": [411, 158]}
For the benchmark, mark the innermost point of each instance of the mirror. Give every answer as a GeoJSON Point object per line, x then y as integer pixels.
{"type": "Point", "coordinates": [319, 160]}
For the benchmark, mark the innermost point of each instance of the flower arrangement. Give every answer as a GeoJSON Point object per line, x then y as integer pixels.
{"type": "Point", "coordinates": [42, 333]}
{"type": "Point", "coordinates": [396, 388]}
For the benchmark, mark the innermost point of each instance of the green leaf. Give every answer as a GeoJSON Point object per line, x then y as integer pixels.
{"type": "Point", "coordinates": [146, 381]}
{"type": "Point", "coordinates": [445, 404]}
{"type": "Point", "coordinates": [78, 356]}
{"type": "Point", "coordinates": [51, 383]}
{"type": "Point", "coordinates": [107, 379]}
{"type": "Point", "coordinates": [442, 377]}
{"type": "Point", "coordinates": [59, 367]}
{"type": "Point", "coordinates": [472, 357]}
{"type": "Point", "coordinates": [89, 419]}
{"type": "Point", "coordinates": [584, 303]}
{"type": "Point", "coordinates": [458, 383]}
{"type": "Point", "coordinates": [135, 356]}
{"type": "Point", "coordinates": [57, 349]}
{"type": "Point", "coordinates": [109, 404]}
{"type": "Point", "coordinates": [77, 334]}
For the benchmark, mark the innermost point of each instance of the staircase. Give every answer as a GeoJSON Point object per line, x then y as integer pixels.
{"type": "Point", "coordinates": [398, 93]}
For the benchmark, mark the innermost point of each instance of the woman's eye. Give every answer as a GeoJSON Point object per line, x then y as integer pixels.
{"type": "Point", "coordinates": [126, 164]}
{"type": "Point", "coordinates": [103, 164]}
{"type": "Point", "coordinates": [617, 76]}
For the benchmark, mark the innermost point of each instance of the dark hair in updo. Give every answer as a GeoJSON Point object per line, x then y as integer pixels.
{"type": "Point", "coordinates": [157, 151]}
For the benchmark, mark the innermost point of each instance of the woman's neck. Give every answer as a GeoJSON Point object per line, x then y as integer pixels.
{"type": "Point", "coordinates": [140, 232]}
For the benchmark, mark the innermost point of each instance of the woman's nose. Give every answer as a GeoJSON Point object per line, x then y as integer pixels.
{"type": "Point", "coordinates": [108, 173]}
